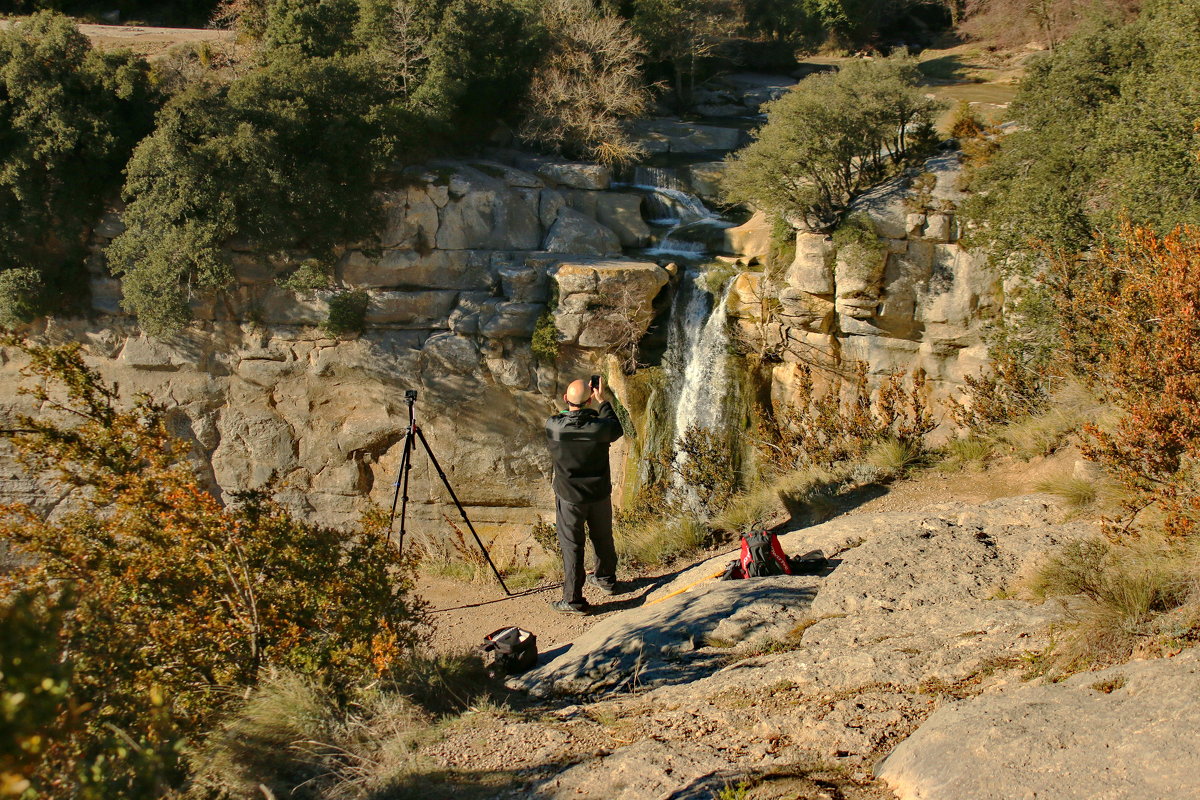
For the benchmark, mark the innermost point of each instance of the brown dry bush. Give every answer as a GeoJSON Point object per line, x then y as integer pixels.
{"type": "Point", "coordinates": [589, 81]}
{"type": "Point", "coordinates": [842, 421]}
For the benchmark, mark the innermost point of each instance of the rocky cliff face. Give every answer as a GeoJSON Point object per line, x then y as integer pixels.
{"type": "Point", "coordinates": [917, 299]}
{"type": "Point", "coordinates": [471, 256]}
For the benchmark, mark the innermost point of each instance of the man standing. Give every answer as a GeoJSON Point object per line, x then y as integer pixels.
{"type": "Point", "coordinates": [578, 439]}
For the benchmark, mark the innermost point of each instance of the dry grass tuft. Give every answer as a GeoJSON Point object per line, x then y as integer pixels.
{"type": "Point", "coordinates": [1137, 597]}
{"type": "Point", "coordinates": [658, 543]}
{"type": "Point", "coordinates": [1077, 493]}
{"type": "Point", "coordinates": [971, 452]}
{"type": "Point", "coordinates": [300, 739]}
{"type": "Point", "coordinates": [893, 457]}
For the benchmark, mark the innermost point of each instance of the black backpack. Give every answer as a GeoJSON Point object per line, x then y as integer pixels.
{"type": "Point", "coordinates": [513, 650]}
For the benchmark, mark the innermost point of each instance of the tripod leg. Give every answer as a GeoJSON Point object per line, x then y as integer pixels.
{"type": "Point", "coordinates": [402, 481]}
{"type": "Point", "coordinates": [407, 468]}
{"type": "Point", "coordinates": [446, 481]}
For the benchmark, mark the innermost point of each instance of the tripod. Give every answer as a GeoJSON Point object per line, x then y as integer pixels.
{"type": "Point", "coordinates": [410, 436]}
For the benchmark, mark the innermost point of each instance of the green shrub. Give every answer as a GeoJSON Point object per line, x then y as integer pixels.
{"type": "Point", "coordinates": [71, 115]}
{"type": "Point", "coordinates": [283, 156]}
{"type": "Point", "coordinates": [828, 139]}
{"type": "Point", "coordinates": [178, 601]}
{"type": "Point", "coordinates": [347, 313]}
{"type": "Point", "coordinates": [545, 339]}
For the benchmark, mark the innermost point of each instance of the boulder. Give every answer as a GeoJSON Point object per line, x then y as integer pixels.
{"type": "Point", "coordinates": [568, 174]}
{"type": "Point", "coordinates": [622, 213]}
{"type": "Point", "coordinates": [811, 270]}
{"type": "Point", "coordinates": [603, 302]}
{"type": "Point", "coordinates": [409, 269]}
{"type": "Point", "coordinates": [751, 239]}
{"type": "Point", "coordinates": [574, 232]}
{"type": "Point", "coordinates": [484, 213]}
{"type": "Point", "coordinates": [414, 309]}
{"type": "Point", "coordinates": [279, 306]}
{"type": "Point", "coordinates": [510, 320]}
{"type": "Point", "coordinates": [704, 179]}
{"type": "Point", "coordinates": [858, 274]}
{"type": "Point", "coordinates": [1123, 732]}
{"type": "Point", "coordinates": [410, 218]}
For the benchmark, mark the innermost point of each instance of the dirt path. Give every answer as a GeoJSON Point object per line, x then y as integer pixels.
{"type": "Point", "coordinates": [465, 612]}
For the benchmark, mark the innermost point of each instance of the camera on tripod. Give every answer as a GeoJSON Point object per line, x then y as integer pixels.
{"type": "Point", "coordinates": [411, 436]}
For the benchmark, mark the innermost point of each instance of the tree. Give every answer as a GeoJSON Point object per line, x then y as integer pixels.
{"type": "Point", "coordinates": [69, 116]}
{"type": "Point", "coordinates": [1107, 134]}
{"type": "Point", "coordinates": [588, 82]}
{"type": "Point", "coordinates": [173, 604]}
{"type": "Point", "coordinates": [828, 139]}
{"type": "Point", "coordinates": [481, 57]}
{"type": "Point", "coordinates": [1134, 308]}
{"type": "Point", "coordinates": [683, 34]}
{"type": "Point", "coordinates": [284, 157]}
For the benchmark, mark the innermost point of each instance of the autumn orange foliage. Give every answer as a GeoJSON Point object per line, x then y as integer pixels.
{"type": "Point", "coordinates": [1135, 311]}
{"type": "Point", "coordinates": [178, 603]}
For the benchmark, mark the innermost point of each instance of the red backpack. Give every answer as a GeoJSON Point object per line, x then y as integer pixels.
{"type": "Point", "coordinates": [761, 555]}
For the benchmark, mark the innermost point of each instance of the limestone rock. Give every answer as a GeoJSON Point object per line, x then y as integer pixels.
{"type": "Point", "coordinates": [509, 320]}
{"type": "Point", "coordinates": [704, 179]}
{"type": "Point", "coordinates": [419, 309]}
{"type": "Point", "coordinates": [811, 270]}
{"type": "Point", "coordinates": [605, 302]}
{"type": "Point", "coordinates": [568, 174]}
{"type": "Point", "coordinates": [573, 232]}
{"type": "Point", "coordinates": [858, 273]}
{"type": "Point", "coordinates": [622, 213]}
{"type": "Point", "coordinates": [281, 306]}
{"type": "Point", "coordinates": [409, 269]}
{"type": "Point", "coordinates": [1125, 732]}
{"type": "Point", "coordinates": [485, 213]}
{"type": "Point", "coordinates": [751, 239]}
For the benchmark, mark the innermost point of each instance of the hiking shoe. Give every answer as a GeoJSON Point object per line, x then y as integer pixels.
{"type": "Point", "coordinates": [563, 607]}
{"type": "Point", "coordinates": [616, 587]}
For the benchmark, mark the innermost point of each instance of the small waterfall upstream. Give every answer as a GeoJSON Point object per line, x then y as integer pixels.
{"type": "Point", "coordinates": [698, 385]}
{"type": "Point", "coordinates": [670, 204]}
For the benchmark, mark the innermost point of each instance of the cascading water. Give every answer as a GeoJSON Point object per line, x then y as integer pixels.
{"type": "Point", "coordinates": [696, 370]}
{"type": "Point", "coordinates": [670, 204]}
{"type": "Point", "coordinates": [705, 381]}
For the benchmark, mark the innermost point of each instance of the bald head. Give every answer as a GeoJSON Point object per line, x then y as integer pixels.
{"type": "Point", "coordinates": [578, 393]}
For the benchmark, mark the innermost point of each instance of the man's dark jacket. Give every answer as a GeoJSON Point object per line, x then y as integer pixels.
{"type": "Point", "coordinates": [578, 443]}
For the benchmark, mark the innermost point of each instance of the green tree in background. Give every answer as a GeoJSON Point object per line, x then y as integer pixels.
{"type": "Point", "coordinates": [284, 157]}
{"type": "Point", "coordinates": [1108, 135]}
{"type": "Point", "coordinates": [480, 59]}
{"type": "Point", "coordinates": [69, 117]}
{"type": "Point", "coordinates": [828, 139]}
{"type": "Point", "coordinates": [683, 34]}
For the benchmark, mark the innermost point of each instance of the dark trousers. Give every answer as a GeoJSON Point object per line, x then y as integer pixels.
{"type": "Point", "coordinates": [570, 519]}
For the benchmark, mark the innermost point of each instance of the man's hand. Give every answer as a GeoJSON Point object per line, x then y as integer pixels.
{"type": "Point", "coordinates": [598, 392]}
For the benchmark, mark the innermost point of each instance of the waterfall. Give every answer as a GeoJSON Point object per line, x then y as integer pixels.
{"type": "Point", "coordinates": [669, 203]}
{"type": "Point", "coordinates": [705, 376]}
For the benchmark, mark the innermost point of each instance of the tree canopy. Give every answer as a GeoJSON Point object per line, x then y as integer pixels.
{"type": "Point", "coordinates": [69, 117]}
{"type": "Point", "coordinates": [828, 139]}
